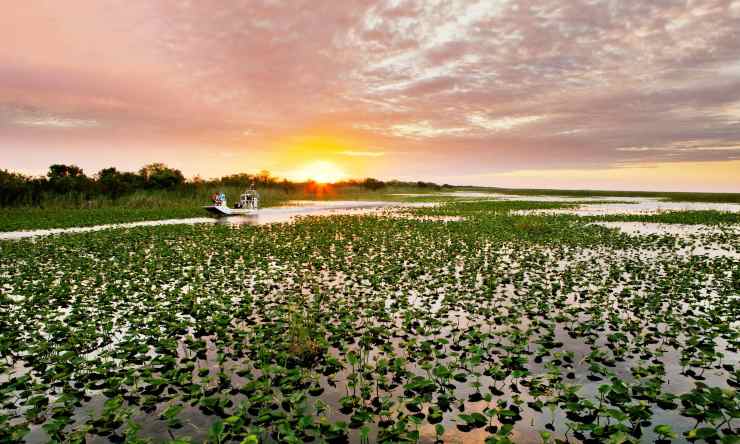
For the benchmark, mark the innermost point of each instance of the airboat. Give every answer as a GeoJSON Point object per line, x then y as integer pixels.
{"type": "Point", "coordinates": [248, 203]}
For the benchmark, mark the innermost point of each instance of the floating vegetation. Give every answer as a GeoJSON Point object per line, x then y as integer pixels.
{"type": "Point", "coordinates": [483, 327]}
{"type": "Point", "coordinates": [706, 217]}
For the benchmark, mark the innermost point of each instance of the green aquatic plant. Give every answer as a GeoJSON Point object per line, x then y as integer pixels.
{"type": "Point", "coordinates": [696, 217]}
{"type": "Point", "coordinates": [370, 328]}
{"type": "Point", "coordinates": [304, 343]}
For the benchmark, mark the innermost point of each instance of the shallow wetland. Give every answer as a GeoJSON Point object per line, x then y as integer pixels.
{"type": "Point", "coordinates": [476, 320]}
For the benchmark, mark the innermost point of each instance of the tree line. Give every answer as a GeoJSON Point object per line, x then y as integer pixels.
{"type": "Point", "coordinates": [71, 182]}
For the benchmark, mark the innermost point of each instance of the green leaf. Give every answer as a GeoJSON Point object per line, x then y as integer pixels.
{"type": "Point", "coordinates": [250, 439]}
{"type": "Point", "coordinates": [439, 430]}
{"type": "Point", "coordinates": [702, 433]}
{"type": "Point", "coordinates": [216, 432]}
{"type": "Point", "coordinates": [664, 430]}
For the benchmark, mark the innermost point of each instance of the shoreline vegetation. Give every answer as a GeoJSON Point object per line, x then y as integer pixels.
{"type": "Point", "coordinates": [67, 197]}
{"type": "Point", "coordinates": [67, 186]}
{"type": "Point", "coordinates": [674, 196]}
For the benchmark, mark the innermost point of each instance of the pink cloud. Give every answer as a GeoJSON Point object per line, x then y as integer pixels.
{"type": "Point", "coordinates": [165, 75]}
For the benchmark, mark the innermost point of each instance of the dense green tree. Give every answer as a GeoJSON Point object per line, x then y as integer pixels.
{"type": "Point", "coordinates": [69, 179]}
{"type": "Point", "coordinates": [58, 171]}
{"type": "Point", "coordinates": [112, 182]}
{"type": "Point", "coordinates": [373, 184]}
{"type": "Point", "coordinates": [14, 188]}
{"type": "Point", "coordinates": [159, 175]}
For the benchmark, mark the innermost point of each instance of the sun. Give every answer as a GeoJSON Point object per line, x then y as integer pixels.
{"type": "Point", "coordinates": [321, 171]}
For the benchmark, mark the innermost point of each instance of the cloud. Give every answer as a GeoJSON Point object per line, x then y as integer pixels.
{"type": "Point", "coordinates": [362, 153]}
{"type": "Point", "coordinates": [56, 122]}
{"type": "Point", "coordinates": [687, 146]}
{"type": "Point", "coordinates": [424, 129]}
{"type": "Point", "coordinates": [511, 83]}
{"type": "Point", "coordinates": [502, 123]}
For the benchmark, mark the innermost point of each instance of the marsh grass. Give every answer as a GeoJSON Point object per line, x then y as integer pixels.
{"type": "Point", "coordinates": [496, 218]}
{"type": "Point", "coordinates": [670, 196]}
{"type": "Point", "coordinates": [69, 211]}
{"type": "Point", "coordinates": [533, 227]}
{"type": "Point", "coordinates": [14, 219]}
{"type": "Point", "coordinates": [708, 217]}
{"type": "Point", "coordinates": [303, 342]}
{"type": "Point", "coordinates": [162, 204]}
{"type": "Point", "coordinates": [479, 208]}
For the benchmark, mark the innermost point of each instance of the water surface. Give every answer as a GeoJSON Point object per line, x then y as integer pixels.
{"type": "Point", "coordinates": [263, 216]}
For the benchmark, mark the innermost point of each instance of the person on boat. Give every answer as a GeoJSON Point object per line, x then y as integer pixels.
{"type": "Point", "coordinates": [222, 198]}
{"type": "Point", "coordinates": [214, 198]}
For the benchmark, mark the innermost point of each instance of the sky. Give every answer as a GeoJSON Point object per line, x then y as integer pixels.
{"type": "Point", "coordinates": [615, 94]}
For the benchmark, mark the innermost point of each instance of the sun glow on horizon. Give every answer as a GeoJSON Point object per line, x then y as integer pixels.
{"type": "Point", "coordinates": [321, 171]}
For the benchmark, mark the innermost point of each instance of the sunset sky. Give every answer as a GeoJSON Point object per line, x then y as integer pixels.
{"type": "Point", "coordinates": [575, 94]}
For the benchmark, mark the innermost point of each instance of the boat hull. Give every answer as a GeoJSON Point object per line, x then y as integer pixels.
{"type": "Point", "coordinates": [221, 210]}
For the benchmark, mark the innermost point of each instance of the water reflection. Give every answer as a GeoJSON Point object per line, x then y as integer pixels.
{"type": "Point", "coordinates": [312, 208]}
